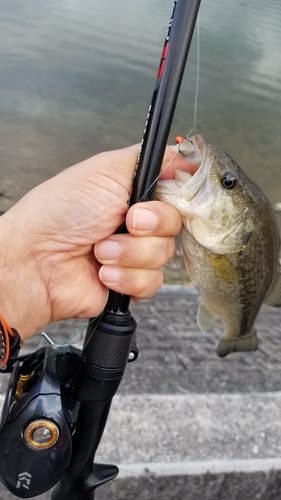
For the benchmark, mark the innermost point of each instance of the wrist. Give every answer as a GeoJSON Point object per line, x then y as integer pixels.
{"type": "Point", "coordinates": [21, 289]}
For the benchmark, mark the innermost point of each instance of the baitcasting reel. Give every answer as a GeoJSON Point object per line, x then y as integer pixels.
{"type": "Point", "coordinates": [38, 419]}
{"type": "Point", "coordinates": [47, 391]}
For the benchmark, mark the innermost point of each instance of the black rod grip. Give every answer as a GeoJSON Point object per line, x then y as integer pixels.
{"type": "Point", "coordinates": [108, 346]}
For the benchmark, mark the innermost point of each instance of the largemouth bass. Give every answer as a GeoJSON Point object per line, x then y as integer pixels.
{"type": "Point", "coordinates": [230, 242]}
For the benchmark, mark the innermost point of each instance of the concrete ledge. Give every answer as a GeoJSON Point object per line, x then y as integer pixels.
{"type": "Point", "coordinates": [192, 447]}
{"type": "Point", "coordinates": [231, 486]}
{"type": "Point", "coordinates": [177, 289]}
{"type": "Point", "coordinates": [199, 467]}
{"type": "Point", "coordinates": [195, 427]}
{"type": "Point", "coordinates": [186, 425]}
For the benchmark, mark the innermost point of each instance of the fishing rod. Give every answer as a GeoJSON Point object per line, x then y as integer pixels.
{"type": "Point", "coordinates": [57, 404]}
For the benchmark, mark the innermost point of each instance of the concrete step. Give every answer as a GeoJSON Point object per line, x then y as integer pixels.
{"type": "Point", "coordinates": [176, 358]}
{"type": "Point", "coordinates": [192, 444]}
{"type": "Point", "coordinates": [179, 429]}
{"type": "Point", "coordinates": [186, 424]}
{"type": "Point", "coordinates": [191, 440]}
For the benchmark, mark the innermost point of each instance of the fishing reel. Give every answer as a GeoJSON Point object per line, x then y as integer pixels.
{"type": "Point", "coordinates": [38, 419]}
{"type": "Point", "coordinates": [40, 414]}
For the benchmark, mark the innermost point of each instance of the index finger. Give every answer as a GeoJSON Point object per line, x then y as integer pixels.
{"type": "Point", "coordinates": [126, 160]}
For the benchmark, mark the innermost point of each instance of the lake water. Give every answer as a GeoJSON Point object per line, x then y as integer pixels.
{"type": "Point", "coordinates": [76, 78]}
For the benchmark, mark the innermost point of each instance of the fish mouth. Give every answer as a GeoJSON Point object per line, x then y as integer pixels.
{"type": "Point", "coordinates": [194, 150]}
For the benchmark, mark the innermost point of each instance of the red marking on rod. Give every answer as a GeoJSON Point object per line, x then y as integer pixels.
{"type": "Point", "coordinates": [165, 51]}
{"type": "Point", "coordinates": [163, 59]}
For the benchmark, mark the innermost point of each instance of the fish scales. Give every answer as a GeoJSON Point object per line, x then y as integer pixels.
{"type": "Point", "coordinates": [230, 242]}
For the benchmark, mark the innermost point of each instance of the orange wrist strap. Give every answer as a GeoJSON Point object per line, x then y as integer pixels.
{"type": "Point", "coordinates": [9, 339]}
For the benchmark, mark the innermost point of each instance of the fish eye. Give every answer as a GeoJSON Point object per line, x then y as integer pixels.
{"type": "Point", "coordinates": [229, 180]}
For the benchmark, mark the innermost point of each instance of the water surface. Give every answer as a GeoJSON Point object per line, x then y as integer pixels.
{"type": "Point", "coordinates": [76, 78]}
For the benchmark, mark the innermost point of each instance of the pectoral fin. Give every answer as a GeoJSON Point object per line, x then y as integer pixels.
{"type": "Point", "coordinates": [223, 268]}
{"type": "Point", "coordinates": [274, 297]}
{"type": "Point", "coordinates": [205, 317]}
{"type": "Point", "coordinates": [240, 344]}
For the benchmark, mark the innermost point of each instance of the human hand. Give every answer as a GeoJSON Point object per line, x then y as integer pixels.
{"type": "Point", "coordinates": [59, 254]}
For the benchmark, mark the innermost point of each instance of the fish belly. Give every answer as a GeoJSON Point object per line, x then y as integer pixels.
{"type": "Point", "coordinates": [216, 280]}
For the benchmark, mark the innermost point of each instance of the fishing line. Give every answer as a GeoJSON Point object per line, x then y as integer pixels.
{"type": "Point", "coordinates": [189, 133]}
{"type": "Point", "coordinates": [197, 75]}
{"type": "Point", "coordinates": [195, 109]}
{"type": "Point", "coordinates": [196, 97]}
{"type": "Point", "coordinates": [97, 319]}
{"type": "Point", "coordinates": [151, 185]}
{"type": "Point", "coordinates": [198, 63]}
{"type": "Point", "coordinates": [66, 342]}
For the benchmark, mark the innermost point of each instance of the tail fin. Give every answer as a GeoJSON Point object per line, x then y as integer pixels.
{"type": "Point", "coordinates": [240, 344]}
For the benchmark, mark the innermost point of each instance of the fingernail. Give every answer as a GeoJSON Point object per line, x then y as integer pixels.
{"type": "Point", "coordinates": [144, 220]}
{"type": "Point", "coordinates": [109, 274]}
{"type": "Point", "coordinates": [107, 250]}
